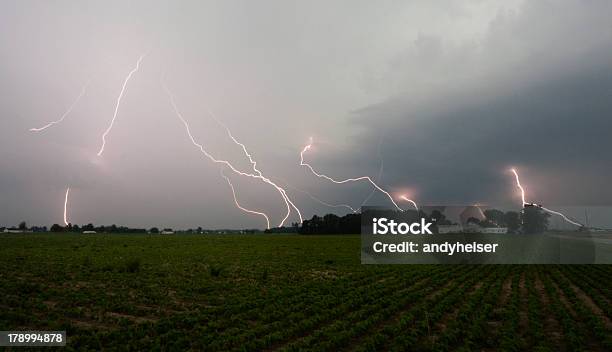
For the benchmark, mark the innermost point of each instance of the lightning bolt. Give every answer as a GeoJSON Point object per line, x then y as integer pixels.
{"type": "Point", "coordinates": [288, 202]}
{"type": "Point", "coordinates": [562, 216]}
{"type": "Point", "coordinates": [405, 198]}
{"type": "Point", "coordinates": [66, 113]}
{"type": "Point", "coordinates": [518, 184]}
{"type": "Point", "coordinates": [522, 190]}
{"type": "Point", "coordinates": [225, 162]}
{"type": "Point", "coordinates": [362, 178]}
{"type": "Point", "coordinates": [125, 82]}
{"type": "Point", "coordinates": [229, 182]}
{"type": "Point", "coordinates": [353, 210]}
{"type": "Point", "coordinates": [66, 206]}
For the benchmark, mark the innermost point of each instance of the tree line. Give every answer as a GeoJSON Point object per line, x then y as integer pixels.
{"type": "Point", "coordinates": [530, 220]}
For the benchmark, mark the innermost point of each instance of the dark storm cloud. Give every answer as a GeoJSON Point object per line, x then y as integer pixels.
{"type": "Point", "coordinates": [548, 113]}
{"type": "Point", "coordinates": [456, 91]}
{"type": "Point", "coordinates": [557, 131]}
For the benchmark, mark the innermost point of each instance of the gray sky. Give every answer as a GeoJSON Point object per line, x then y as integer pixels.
{"type": "Point", "coordinates": [457, 91]}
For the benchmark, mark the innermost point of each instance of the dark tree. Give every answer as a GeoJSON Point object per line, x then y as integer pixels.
{"type": "Point", "coordinates": [497, 217]}
{"type": "Point", "coordinates": [332, 224]}
{"type": "Point", "coordinates": [23, 226]}
{"type": "Point", "coordinates": [438, 218]}
{"type": "Point", "coordinates": [57, 228]}
{"type": "Point", "coordinates": [513, 221]}
{"type": "Point", "coordinates": [534, 220]}
{"type": "Point", "coordinates": [154, 230]}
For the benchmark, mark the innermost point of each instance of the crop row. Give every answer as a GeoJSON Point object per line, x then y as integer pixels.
{"type": "Point", "coordinates": [469, 325]}
{"type": "Point", "coordinates": [291, 321]}
{"type": "Point", "coordinates": [573, 334]}
{"type": "Point", "coordinates": [412, 324]}
{"type": "Point", "coordinates": [586, 315]}
{"type": "Point", "coordinates": [356, 323]}
{"type": "Point", "coordinates": [536, 315]}
{"type": "Point", "coordinates": [208, 324]}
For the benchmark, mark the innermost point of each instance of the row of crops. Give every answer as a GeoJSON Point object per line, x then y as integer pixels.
{"type": "Point", "coordinates": [291, 293]}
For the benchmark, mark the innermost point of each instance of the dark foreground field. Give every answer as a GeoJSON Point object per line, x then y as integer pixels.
{"type": "Point", "coordinates": [289, 293]}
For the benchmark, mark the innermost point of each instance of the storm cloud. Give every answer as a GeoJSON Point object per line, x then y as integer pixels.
{"type": "Point", "coordinates": [453, 93]}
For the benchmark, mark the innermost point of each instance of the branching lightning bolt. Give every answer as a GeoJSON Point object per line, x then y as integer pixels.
{"type": "Point", "coordinates": [362, 178]}
{"type": "Point", "coordinates": [282, 192]}
{"type": "Point", "coordinates": [353, 210]}
{"type": "Point", "coordinates": [522, 190]}
{"type": "Point", "coordinates": [225, 162]}
{"type": "Point", "coordinates": [229, 182]}
{"type": "Point", "coordinates": [125, 82]}
{"type": "Point", "coordinates": [66, 206]}
{"type": "Point", "coordinates": [66, 113]}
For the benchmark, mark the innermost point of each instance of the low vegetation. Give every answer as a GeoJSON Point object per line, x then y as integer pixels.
{"type": "Point", "coordinates": [289, 293]}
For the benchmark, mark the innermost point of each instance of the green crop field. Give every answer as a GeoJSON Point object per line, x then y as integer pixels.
{"type": "Point", "coordinates": [289, 293]}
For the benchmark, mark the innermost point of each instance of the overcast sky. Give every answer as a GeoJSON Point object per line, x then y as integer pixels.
{"type": "Point", "coordinates": [449, 94]}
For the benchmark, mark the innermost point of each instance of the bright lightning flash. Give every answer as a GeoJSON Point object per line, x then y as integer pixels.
{"type": "Point", "coordinates": [66, 113]}
{"type": "Point", "coordinates": [562, 216]}
{"type": "Point", "coordinates": [125, 82]}
{"type": "Point", "coordinates": [225, 162]}
{"type": "Point", "coordinates": [283, 193]}
{"type": "Point", "coordinates": [66, 206]}
{"type": "Point", "coordinates": [353, 210]}
{"type": "Point", "coordinates": [229, 182]}
{"type": "Point", "coordinates": [362, 178]}
{"type": "Point", "coordinates": [405, 198]}
{"type": "Point", "coordinates": [518, 184]}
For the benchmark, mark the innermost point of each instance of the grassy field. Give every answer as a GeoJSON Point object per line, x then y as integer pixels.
{"type": "Point", "coordinates": [289, 293]}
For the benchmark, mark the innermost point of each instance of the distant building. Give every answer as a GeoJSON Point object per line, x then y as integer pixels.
{"type": "Point", "coordinates": [13, 230]}
{"type": "Point", "coordinates": [89, 232]}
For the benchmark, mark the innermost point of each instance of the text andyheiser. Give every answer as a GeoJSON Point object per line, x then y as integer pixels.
{"type": "Point", "coordinates": [444, 247]}
{"type": "Point", "coordinates": [384, 226]}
